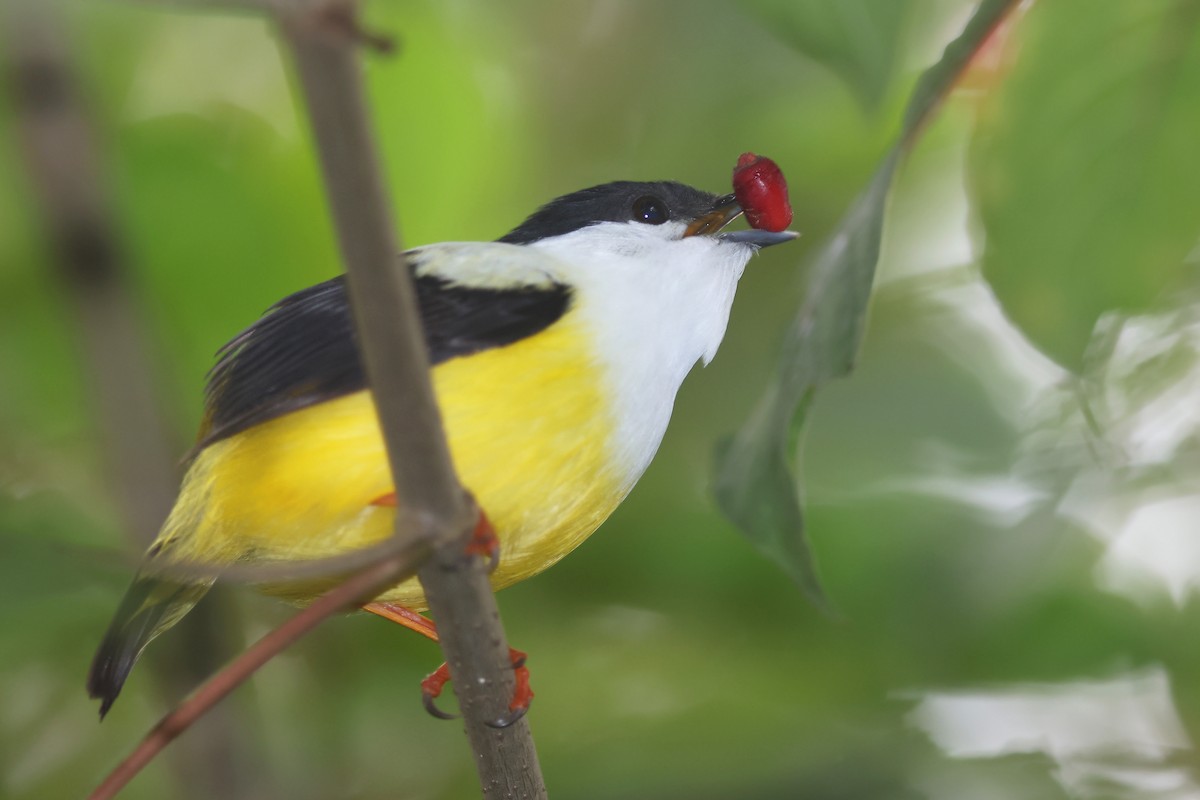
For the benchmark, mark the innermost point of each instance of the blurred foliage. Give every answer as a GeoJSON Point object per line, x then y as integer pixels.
{"type": "Point", "coordinates": [755, 485]}
{"type": "Point", "coordinates": [989, 529]}
{"type": "Point", "coordinates": [859, 40]}
{"type": "Point", "coordinates": [1102, 211]}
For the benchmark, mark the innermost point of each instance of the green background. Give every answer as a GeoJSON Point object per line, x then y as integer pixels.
{"type": "Point", "coordinates": [998, 497]}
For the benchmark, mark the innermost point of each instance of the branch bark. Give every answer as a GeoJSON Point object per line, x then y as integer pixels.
{"type": "Point", "coordinates": [322, 41]}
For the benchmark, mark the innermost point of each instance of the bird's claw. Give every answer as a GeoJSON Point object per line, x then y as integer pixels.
{"type": "Point", "coordinates": [484, 542]}
{"type": "Point", "coordinates": [432, 686]}
{"type": "Point", "coordinates": [522, 694]}
{"type": "Point", "coordinates": [508, 719]}
{"type": "Point", "coordinates": [432, 708]}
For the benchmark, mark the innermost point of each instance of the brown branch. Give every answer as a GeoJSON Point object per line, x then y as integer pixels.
{"type": "Point", "coordinates": [332, 15]}
{"type": "Point", "coordinates": [284, 571]}
{"type": "Point", "coordinates": [460, 597]}
{"type": "Point", "coordinates": [382, 296]}
{"type": "Point", "coordinates": [348, 594]}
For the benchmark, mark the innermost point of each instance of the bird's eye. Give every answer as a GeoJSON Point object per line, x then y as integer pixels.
{"type": "Point", "coordinates": [650, 210]}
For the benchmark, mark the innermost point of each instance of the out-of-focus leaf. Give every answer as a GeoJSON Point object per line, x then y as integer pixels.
{"type": "Point", "coordinates": [1084, 166]}
{"type": "Point", "coordinates": [858, 39]}
{"type": "Point", "coordinates": [755, 486]}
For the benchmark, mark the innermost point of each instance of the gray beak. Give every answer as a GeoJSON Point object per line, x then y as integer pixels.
{"type": "Point", "coordinates": [758, 238]}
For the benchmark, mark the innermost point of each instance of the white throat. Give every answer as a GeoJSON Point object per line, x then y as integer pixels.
{"type": "Point", "coordinates": [655, 304]}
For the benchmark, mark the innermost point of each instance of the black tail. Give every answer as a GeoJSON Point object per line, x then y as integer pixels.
{"type": "Point", "coordinates": [150, 607]}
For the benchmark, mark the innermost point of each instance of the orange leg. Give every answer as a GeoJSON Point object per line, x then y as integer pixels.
{"type": "Point", "coordinates": [406, 617]}
{"type": "Point", "coordinates": [435, 682]}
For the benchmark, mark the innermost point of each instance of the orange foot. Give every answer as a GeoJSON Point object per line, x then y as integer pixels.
{"type": "Point", "coordinates": [432, 686]}
{"type": "Point", "coordinates": [483, 541]}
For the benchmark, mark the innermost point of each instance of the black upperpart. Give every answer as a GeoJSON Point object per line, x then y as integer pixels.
{"type": "Point", "coordinates": [303, 350]}
{"type": "Point", "coordinates": [651, 202]}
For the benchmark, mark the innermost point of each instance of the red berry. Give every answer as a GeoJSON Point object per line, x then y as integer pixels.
{"type": "Point", "coordinates": [761, 191]}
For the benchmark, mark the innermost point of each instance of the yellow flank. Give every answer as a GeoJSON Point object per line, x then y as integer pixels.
{"type": "Point", "coordinates": [529, 429]}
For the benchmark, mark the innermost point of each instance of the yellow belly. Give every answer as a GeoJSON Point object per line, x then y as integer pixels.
{"type": "Point", "coordinates": [529, 428]}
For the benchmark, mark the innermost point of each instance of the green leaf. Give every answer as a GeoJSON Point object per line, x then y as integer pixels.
{"type": "Point", "coordinates": [755, 485]}
{"type": "Point", "coordinates": [1084, 167]}
{"type": "Point", "coordinates": [858, 40]}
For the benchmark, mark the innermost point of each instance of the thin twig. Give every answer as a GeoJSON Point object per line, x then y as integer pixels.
{"type": "Point", "coordinates": [394, 353]}
{"type": "Point", "coordinates": [384, 302]}
{"type": "Point", "coordinates": [282, 571]}
{"type": "Point", "coordinates": [330, 16]}
{"type": "Point", "coordinates": [360, 587]}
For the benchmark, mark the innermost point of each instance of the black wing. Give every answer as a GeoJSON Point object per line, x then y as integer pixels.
{"type": "Point", "coordinates": [303, 350]}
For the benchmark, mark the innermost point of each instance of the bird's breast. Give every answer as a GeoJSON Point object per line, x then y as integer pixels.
{"type": "Point", "coordinates": [532, 428]}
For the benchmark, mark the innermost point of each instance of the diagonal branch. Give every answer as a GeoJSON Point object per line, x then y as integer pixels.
{"type": "Point", "coordinates": [354, 590]}
{"type": "Point", "coordinates": [460, 597]}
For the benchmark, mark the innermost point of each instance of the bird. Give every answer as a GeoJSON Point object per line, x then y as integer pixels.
{"type": "Point", "coordinates": [556, 352]}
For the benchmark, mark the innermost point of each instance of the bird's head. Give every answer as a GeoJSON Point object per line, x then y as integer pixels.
{"type": "Point", "coordinates": [630, 214]}
{"type": "Point", "coordinates": [650, 261]}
